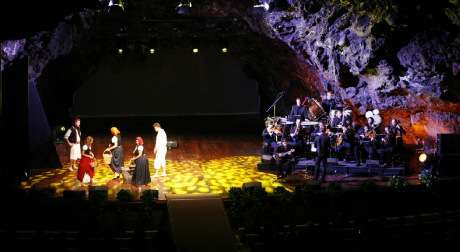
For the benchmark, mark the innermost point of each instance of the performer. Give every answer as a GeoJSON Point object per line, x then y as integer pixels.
{"type": "Point", "coordinates": [86, 163]}
{"type": "Point", "coordinates": [329, 103]}
{"type": "Point", "coordinates": [160, 150]}
{"type": "Point", "coordinates": [349, 144]}
{"type": "Point", "coordinates": [141, 175]}
{"type": "Point", "coordinates": [117, 152]}
{"type": "Point", "coordinates": [72, 137]}
{"type": "Point", "coordinates": [284, 158]}
{"type": "Point", "coordinates": [269, 138]}
{"type": "Point", "coordinates": [323, 145]}
{"type": "Point", "coordinates": [298, 111]}
{"type": "Point", "coordinates": [398, 132]}
{"type": "Point", "coordinates": [337, 120]}
{"type": "Point", "coordinates": [295, 135]}
{"type": "Point", "coordinates": [368, 141]}
{"type": "Point", "coordinates": [386, 147]}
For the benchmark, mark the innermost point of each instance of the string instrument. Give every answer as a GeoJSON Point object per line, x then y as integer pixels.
{"type": "Point", "coordinates": [370, 134]}
{"type": "Point", "coordinates": [277, 156]}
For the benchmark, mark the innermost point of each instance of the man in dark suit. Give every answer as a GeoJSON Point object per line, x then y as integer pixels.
{"type": "Point", "coordinates": [298, 111]}
{"type": "Point", "coordinates": [323, 145]}
{"type": "Point", "coordinates": [284, 158]}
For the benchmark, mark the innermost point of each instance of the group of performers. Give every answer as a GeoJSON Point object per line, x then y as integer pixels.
{"type": "Point", "coordinates": [327, 129]}
{"type": "Point", "coordinates": [141, 173]}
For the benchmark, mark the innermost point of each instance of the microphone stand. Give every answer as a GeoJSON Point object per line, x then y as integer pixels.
{"type": "Point", "coordinates": [280, 95]}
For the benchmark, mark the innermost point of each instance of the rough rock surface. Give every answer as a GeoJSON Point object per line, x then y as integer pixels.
{"type": "Point", "coordinates": [414, 78]}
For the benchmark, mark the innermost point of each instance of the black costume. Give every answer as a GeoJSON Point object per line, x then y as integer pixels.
{"type": "Point", "coordinates": [141, 175]}
{"type": "Point", "coordinates": [323, 145]}
{"type": "Point", "coordinates": [284, 160]}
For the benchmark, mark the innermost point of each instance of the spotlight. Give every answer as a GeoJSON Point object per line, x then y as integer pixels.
{"type": "Point", "coordinates": [120, 50]}
{"type": "Point", "coordinates": [117, 3]}
{"type": "Point", "coordinates": [195, 44]}
{"type": "Point", "coordinates": [224, 50]}
{"type": "Point", "coordinates": [422, 157]}
{"type": "Point", "coordinates": [152, 51]}
{"type": "Point", "coordinates": [264, 5]}
{"type": "Point", "coordinates": [184, 8]}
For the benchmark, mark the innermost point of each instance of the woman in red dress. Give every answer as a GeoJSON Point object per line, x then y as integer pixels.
{"type": "Point", "coordinates": [87, 158]}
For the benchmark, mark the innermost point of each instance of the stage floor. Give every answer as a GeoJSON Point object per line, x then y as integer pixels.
{"type": "Point", "coordinates": [200, 164]}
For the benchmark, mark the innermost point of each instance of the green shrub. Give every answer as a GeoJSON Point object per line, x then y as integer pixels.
{"type": "Point", "coordinates": [397, 183]}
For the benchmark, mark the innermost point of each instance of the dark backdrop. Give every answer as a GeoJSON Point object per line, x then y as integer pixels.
{"type": "Point", "coordinates": [170, 82]}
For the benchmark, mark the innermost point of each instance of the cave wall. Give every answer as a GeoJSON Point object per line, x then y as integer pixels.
{"type": "Point", "coordinates": [405, 62]}
{"type": "Point", "coordinates": [406, 67]}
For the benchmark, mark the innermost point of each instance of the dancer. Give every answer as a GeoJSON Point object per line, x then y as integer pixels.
{"type": "Point", "coordinates": [86, 170]}
{"type": "Point", "coordinates": [117, 152]}
{"type": "Point", "coordinates": [160, 150]}
{"type": "Point", "coordinates": [141, 174]}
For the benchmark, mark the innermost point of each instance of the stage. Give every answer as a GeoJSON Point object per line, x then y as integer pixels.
{"type": "Point", "coordinates": [208, 163]}
{"type": "Point", "coordinates": [201, 163]}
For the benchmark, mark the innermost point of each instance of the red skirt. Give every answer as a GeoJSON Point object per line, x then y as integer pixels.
{"type": "Point", "coordinates": [85, 167]}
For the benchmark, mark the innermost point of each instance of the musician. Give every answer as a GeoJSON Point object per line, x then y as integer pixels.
{"type": "Point", "coordinates": [323, 145]}
{"type": "Point", "coordinates": [368, 141]}
{"type": "Point", "coordinates": [284, 158]}
{"type": "Point", "coordinates": [329, 103]}
{"type": "Point", "coordinates": [337, 119]}
{"type": "Point", "coordinates": [295, 135]}
{"type": "Point", "coordinates": [349, 144]}
{"type": "Point", "coordinates": [397, 131]}
{"type": "Point", "coordinates": [298, 111]}
{"type": "Point", "coordinates": [269, 137]}
{"type": "Point", "coordinates": [386, 146]}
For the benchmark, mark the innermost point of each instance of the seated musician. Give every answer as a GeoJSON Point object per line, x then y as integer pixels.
{"type": "Point", "coordinates": [284, 158]}
{"type": "Point", "coordinates": [269, 138]}
{"type": "Point", "coordinates": [296, 135]}
{"type": "Point", "coordinates": [386, 147]}
{"type": "Point", "coordinates": [349, 144]}
{"type": "Point", "coordinates": [298, 111]}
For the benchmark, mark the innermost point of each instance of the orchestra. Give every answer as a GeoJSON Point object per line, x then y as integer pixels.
{"type": "Point", "coordinates": [304, 129]}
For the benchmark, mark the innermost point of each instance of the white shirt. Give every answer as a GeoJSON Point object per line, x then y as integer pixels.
{"type": "Point", "coordinates": [161, 140]}
{"type": "Point", "coordinates": [69, 131]}
{"type": "Point", "coordinates": [115, 140]}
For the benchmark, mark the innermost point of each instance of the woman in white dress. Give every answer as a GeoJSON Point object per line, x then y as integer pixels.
{"type": "Point", "coordinates": [160, 150]}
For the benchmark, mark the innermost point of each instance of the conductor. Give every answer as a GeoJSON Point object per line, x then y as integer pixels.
{"type": "Point", "coordinates": [323, 145]}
